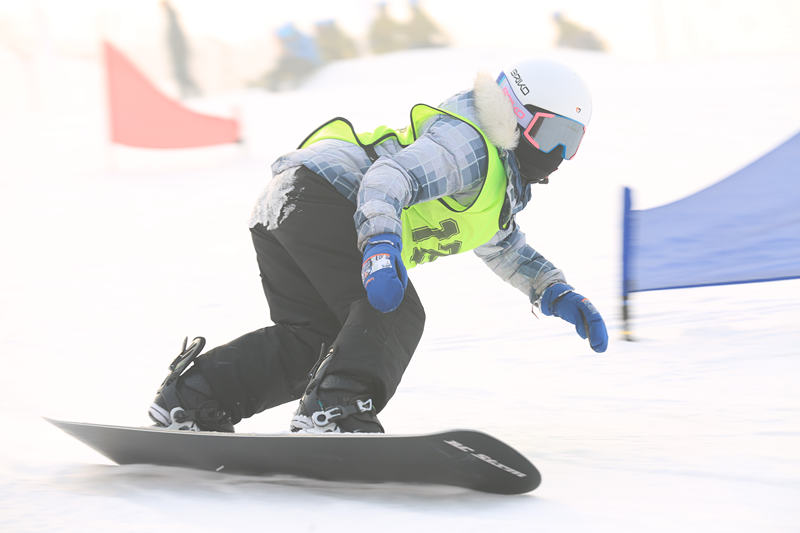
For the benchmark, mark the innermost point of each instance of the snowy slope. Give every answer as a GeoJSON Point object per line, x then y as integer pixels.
{"type": "Point", "coordinates": [111, 256]}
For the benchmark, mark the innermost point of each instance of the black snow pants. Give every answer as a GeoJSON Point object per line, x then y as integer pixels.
{"type": "Point", "coordinates": [310, 270]}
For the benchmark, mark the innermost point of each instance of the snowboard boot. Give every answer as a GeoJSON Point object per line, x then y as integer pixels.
{"type": "Point", "coordinates": [335, 404]}
{"type": "Point", "coordinates": [185, 400]}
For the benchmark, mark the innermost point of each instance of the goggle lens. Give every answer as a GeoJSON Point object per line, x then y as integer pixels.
{"type": "Point", "coordinates": [547, 131]}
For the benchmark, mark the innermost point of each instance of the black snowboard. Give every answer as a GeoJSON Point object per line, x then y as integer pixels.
{"type": "Point", "coordinates": [461, 458]}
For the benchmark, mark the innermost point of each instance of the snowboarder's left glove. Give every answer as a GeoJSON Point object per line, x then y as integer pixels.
{"type": "Point", "coordinates": [562, 301]}
{"type": "Point", "coordinates": [383, 273]}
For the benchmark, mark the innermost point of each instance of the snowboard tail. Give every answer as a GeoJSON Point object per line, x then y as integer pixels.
{"type": "Point", "coordinates": [462, 458]}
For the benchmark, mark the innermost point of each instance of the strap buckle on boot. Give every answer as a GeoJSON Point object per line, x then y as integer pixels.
{"type": "Point", "coordinates": [323, 418]}
{"type": "Point", "coordinates": [187, 419]}
{"type": "Point", "coordinates": [188, 354]}
{"type": "Point", "coordinates": [364, 406]}
{"type": "Point", "coordinates": [180, 420]}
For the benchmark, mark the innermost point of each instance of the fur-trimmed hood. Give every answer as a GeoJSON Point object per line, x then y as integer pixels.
{"type": "Point", "coordinates": [495, 113]}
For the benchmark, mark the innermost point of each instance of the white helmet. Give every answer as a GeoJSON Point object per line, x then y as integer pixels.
{"type": "Point", "coordinates": [544, 94]}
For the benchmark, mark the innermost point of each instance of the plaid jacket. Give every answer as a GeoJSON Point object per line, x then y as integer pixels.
{"type": "Point", "coordinates": [448, 159]}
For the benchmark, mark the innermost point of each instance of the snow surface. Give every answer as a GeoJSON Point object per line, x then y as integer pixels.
{"type": "Point", "coordinates": [112, 255]}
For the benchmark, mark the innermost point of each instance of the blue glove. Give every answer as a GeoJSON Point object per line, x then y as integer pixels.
{"type": "Point", "coordinates": [383, 273]}
{"type": "Point", "coordinates": [560, 300]}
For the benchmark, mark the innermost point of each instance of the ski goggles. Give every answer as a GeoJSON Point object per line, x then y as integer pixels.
{"type": "Point", "coordinates": [544, 130]}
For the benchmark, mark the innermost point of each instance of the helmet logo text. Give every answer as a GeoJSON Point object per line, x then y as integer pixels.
{"type": "Point", "coordinates": [518, 80]}
{"type": "Point", "coordinates": [517, 111]}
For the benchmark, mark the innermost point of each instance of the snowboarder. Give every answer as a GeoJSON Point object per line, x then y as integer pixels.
{"type": "Point", "coordinates": [422, 31]}
{"type": "Point", "coordinates": [385, 35]}
{"type": "Point", "coordinates": [179, 52]}
{"type": "Point", "coordinates": [333, 42]}
{"type": "Point", "coordinates": [348, 214]}
{"type": "Point", "coordinates": [573, 35]}
{"type": "Point", "coordinates": [299, 58]}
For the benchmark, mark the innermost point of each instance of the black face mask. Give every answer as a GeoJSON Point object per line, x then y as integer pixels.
{"type": "Point", "coordinates": [534, 165]}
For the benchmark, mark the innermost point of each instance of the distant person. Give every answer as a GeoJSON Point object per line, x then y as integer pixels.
{"type": "Point", "coordinates": [179, 53]}
{"type": "Point", "coordinates": [299, 58]}
{"type": "Point", "coordinates": [333, 43]}
{"type": "Point", "coordinates": [422, 31]}
{"type": "Point", "coordinates": [345, 218]}
{"type": "Point", "coordinates": [572, 35]}
{"type": "Point", "coordinates": [386, 34]}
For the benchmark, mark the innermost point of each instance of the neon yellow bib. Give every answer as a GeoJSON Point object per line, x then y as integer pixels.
{"type": "Point", "coordinates": [441, 227]}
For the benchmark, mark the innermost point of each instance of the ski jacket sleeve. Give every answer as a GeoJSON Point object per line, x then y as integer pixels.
{"type": "Point", "coordinates": [511, 258]}
{"type": "Point", "coordinates": [449, 159]}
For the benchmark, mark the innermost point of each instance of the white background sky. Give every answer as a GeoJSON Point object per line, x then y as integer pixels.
{"type": "Point", "coordinates": [233, 42]}
{"type": "Point", "coordinates": [631, 27]}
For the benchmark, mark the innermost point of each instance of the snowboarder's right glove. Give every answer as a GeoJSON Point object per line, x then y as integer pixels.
{"type": "Point", "coordinates": [562, 301]}
{"type": "Point", "coordinates": [383, 273]}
